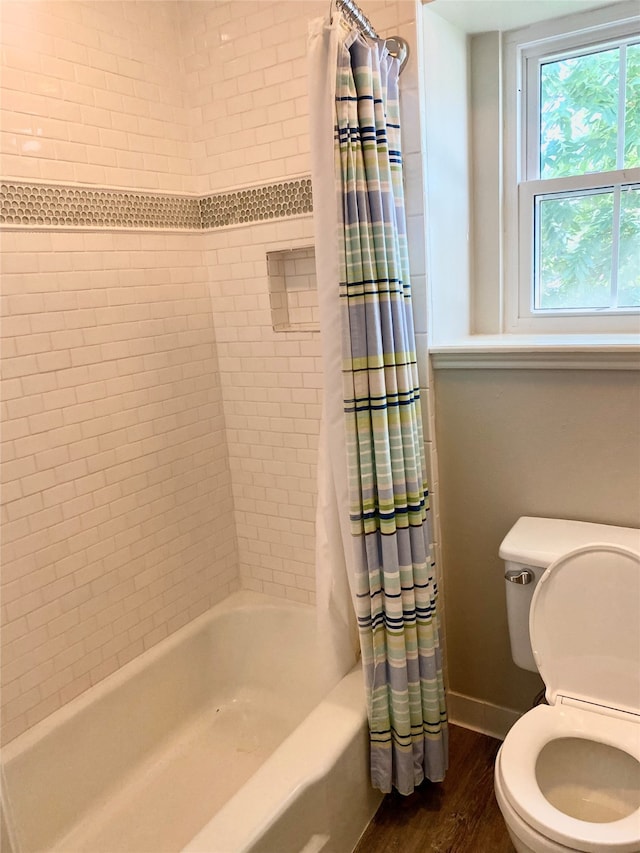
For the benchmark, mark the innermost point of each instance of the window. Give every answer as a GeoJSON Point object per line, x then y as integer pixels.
{"type": "Point", "coordinates": [575, 182]}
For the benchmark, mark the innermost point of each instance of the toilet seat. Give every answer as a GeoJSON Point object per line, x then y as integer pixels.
{"type": "Point", "coordinates": [585, 636]}
{"type": "Point", "coordinates": [517, 767]}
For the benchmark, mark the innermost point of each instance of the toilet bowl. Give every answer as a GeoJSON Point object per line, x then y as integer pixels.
{"type": "Point", "coordinates": [567, 777]}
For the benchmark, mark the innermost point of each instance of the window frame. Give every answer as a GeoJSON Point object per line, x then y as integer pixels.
{"type": "Point", "coordinates": [524, 52]}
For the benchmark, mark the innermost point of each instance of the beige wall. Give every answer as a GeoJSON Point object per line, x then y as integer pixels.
{"type": "Point", "coordinates": [556, 443]}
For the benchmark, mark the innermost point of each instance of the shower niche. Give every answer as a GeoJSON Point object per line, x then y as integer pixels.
{"type": "Point", "coordinates": [293, 292]}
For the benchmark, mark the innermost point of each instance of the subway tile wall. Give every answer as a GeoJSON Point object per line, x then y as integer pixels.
{"type": "Point", "coordinates": [117, 518]}
{"type": "Point", "coordinates": [246, 69]}
{"type": "Point", "coordinates": [246, 72]}
{"type": "Point", "coordinates": [272, 385]}
{"type": "Point", "coordinates": [160, 436]}
{"type": "Point", "coordinates": [92, 93]}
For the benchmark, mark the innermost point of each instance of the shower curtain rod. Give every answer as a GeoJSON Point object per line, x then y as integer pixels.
{"type": "Point", "coordinates": [396, 46]}
{"type": "Point", "coordinates": [356, 16]}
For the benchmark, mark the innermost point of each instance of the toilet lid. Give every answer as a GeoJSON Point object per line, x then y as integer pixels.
{"type": "Point", "coordinates": [584, 625]}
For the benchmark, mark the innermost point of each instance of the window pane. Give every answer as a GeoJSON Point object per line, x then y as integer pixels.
{"type": "Point", "coordinates": [629, 264]}
{"type": "Point", "coordinates": [574, 251]}
{"type": "Point", "coordinates": [632, 118]}
{"type": "Point", "coordinates": [579, 114]}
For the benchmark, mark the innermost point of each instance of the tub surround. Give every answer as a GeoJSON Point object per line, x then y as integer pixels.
{"type": "Point", "coordinates": [117, 526]}
{"type": "Point", "coordinates": [160, 437]}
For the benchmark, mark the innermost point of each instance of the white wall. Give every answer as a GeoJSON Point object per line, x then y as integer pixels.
{"type": "Point", "coordinates": [486, 183]}
{"type": "Point", "coordinates": [446, 147]}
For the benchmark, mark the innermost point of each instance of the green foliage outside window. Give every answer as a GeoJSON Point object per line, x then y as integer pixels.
{"type": "Point", "coordinates": [579, 134]}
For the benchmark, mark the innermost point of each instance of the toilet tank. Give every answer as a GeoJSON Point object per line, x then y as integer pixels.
{"type": "Point", "coordinates": [528, 550]}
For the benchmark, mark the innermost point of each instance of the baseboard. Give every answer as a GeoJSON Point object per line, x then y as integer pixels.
{"type": "Point", "coordinates": [480, 716]}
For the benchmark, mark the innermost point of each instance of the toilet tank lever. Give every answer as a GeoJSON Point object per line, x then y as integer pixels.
{"type": "Point", "coordinates": [521, 576]}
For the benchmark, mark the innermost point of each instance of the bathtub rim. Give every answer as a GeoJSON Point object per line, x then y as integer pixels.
{"type": "Point", "coordinates": [342, 712]}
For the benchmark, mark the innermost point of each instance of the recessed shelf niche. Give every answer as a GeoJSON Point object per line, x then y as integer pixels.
{"type": "Point", "coordinates": [293, 291]}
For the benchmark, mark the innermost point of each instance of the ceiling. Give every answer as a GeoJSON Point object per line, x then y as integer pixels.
{"type": "Point", "coordinates": [477, 16]}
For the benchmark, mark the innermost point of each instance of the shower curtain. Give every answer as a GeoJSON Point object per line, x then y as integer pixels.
{"type": "Point", "coordinates": [373, 520]}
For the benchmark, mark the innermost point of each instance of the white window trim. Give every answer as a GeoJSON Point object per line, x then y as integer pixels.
{"type": "Point", "coordinates": [589, 29]}
{"type": "Point", "coordinates": [543, 352]}
{"type": "Point", "coordinates": [463, 100]}
{"type": "Point", "coordinates": [527, 193]}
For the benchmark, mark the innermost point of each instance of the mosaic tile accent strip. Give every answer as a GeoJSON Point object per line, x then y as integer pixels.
{"type": "Point", "coordinates": [39, 205]}
{"type": "Point", "coordinates": [289, 198]}
{"type": "Point", "coordinates": [26, 204]}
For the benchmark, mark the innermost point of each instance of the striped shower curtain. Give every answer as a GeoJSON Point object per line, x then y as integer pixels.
{"type": "Point", "coordinates": [392, 573]}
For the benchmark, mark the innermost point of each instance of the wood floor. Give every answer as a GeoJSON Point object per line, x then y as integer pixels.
{"type": "Point", "coordinates": [459, 815]}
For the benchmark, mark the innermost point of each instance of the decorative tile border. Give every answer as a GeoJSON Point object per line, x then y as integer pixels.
{"type": "Point", "coordinates": [49, 206]}
{"type": "Point", "coordinates": [288, 198]}
{"type": "Point", "coordinates": [27, 204]}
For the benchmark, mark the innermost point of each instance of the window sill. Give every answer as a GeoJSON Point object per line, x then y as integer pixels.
{"type": "Point", "coordinates": [539, 352]}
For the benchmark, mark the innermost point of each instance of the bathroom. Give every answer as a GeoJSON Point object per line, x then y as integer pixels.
{"type": "Point", "coordinates": [160, 431]}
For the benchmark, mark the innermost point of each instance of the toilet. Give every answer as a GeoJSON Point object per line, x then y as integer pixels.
{"type": "Point", "coordinates": [567, 777]}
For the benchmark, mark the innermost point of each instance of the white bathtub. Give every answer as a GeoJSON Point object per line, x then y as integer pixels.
{"type": "Point", "coordinates": [217, 739]}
